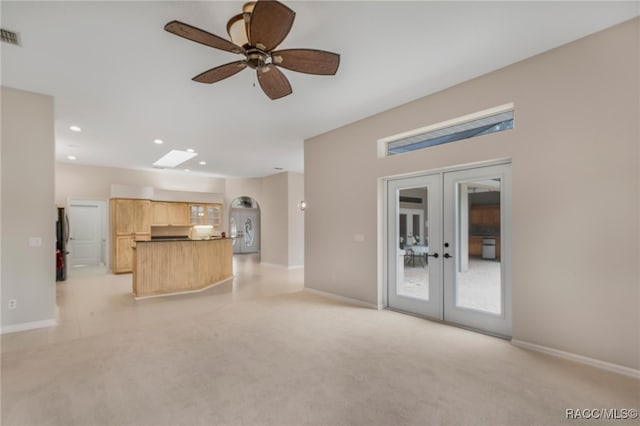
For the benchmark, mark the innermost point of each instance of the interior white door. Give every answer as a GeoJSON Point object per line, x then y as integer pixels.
{"type": "Point", "coordinates": [477, 289]}
{"type": "Point", "coordinates": [84, 239]}
{"type": "Point", "coordinates": [415, 265]}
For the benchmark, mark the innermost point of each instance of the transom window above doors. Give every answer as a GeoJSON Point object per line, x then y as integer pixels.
{"type": "Point", "coordinates": [469, 126]}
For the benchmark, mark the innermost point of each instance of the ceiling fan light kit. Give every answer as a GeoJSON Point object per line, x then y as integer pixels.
{"type": "Point", "coordinates": [255, 33]}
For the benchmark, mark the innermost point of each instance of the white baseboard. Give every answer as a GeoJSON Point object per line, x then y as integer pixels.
{"type": "Point", "coordinates": [604, 365]}
{"type": "Point", "coordinates": [13, 328]}
{"type": "Point", "coordinates": [344, 298]}
{"type": "Point", "coordinates": [277, 265]}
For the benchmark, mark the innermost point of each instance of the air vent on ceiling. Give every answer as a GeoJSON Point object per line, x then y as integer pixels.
{"type": "Point", "coordinates": [9, 37]}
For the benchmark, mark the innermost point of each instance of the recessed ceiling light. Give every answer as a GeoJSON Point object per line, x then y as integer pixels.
{"type": "Point", "coordinates": [203, 163]}
{"type": "Point", "coordinates": [191, 150]}
{"type": "Point", "coordinates": [72, 157]}
{"type": "Point", "coordinates": [187, 170]}
{"type": "Point", "coordinates": [158, 141]}
{"type": "Point", "coordinates": [174, 158]}
{"type": "Point", "coordinates": [75, 129]}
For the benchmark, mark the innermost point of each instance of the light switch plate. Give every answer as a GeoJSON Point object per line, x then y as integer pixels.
{"type": "Point", "coordinates": [35, 242]}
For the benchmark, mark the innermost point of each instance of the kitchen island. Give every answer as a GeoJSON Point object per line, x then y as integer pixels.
{"type": "Point", "coordinates": [162, 267]}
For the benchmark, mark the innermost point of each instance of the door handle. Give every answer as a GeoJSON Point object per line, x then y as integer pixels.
{"type": "Point", "coordinates": [447, 256]}
{"type": "Point", "coordinates": [433, 255]}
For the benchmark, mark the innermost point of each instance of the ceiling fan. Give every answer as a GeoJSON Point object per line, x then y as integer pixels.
{"type": "Point", "coordinates": [255, 33]}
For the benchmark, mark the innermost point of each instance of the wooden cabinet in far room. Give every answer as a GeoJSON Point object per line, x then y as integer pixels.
{"type": "Point", "coordinates": [169, 214]}
{"type": "Point", "coordinates": [484, 215]}
{"type": "Point", "coordinates": [130, 221]}
{"type": "Point", "coordinates": [475, 246]}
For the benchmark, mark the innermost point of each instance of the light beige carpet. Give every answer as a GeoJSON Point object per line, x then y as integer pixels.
{"type": "Point", "coordinates": [298, 359]}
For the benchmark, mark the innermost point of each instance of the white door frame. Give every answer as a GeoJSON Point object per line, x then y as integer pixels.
{"type": "Point", "coordinates": [384, 235]}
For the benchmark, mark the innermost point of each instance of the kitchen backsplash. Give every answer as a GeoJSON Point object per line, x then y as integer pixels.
{"type": "Point", "coordinates": [489, 231]}
{"type": "Point", "coordinates": [165, 231]}
{"type": "Point", "coordinates": [202, 232]}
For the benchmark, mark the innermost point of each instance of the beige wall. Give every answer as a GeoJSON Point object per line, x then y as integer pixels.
{"type": "Point", "coordinates": [274, 215]}
{"type": "Point", "coordinates": [295, 219]}
{"type": "Point", "coordinates": [92, 182]}
{"type": "Point", "coordinates": [28, 210]}
{"type": "Point", "coordinates": [575, 215]}
{"type": "Point", "coordinates": [282, 230]}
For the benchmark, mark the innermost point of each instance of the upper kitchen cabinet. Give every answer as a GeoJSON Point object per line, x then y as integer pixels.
{"type": "Point", "coordinates": [205, 214]}
{"type": "Point", "coordinates": [122, 213]}
{"type": "Point", "coordinates": [213, 214]}
{"type": "Point", "coordinates": [141, 216]}
{"type": "Point", "coordinates": [131, 216]}
{"type": "Point", "coordinates": [169, 214]}
{"type": "Point", "coordinates": [178, 214]}
{"type": "Point", "coordinates": [488, 215]}
{"type": "Point", "coordinates": [196, 214]}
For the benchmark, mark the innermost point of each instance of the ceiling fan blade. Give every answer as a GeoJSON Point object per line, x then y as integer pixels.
{"type": "Point", "coordinates": [200, 36]}
{"type": "Point", "coordinates": [273, 82]}
{"type": "Point", "coordinates": [309, 61]}
{"type": "Point", "coordinates": [220, 73]}
{"type": "Point", "coordinates": [270, 23]}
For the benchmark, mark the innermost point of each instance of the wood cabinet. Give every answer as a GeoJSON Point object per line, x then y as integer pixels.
{"type": "Point", "coordinates": [122, 260]}
{"type": "Point", "coordinates": [196, 214]}
{"type": "Point", "coordinates": [484, 215]}
{"type": "Point", "coordinates": [169, 214]}
{"type": "Point", "coordinates": [165, 267]}
{"type": "Point", "coordinates": [214, 214]}
{"type": "Point", "coordinates": [475, 246]}
{"type": "Point", "coordinates": [130, 221]}
{"type": "Point", "coordinates": [205, 214]}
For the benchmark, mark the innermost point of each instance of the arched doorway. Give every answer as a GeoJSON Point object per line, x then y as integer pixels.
{"type": "Point", "coordinates": [244, 225]}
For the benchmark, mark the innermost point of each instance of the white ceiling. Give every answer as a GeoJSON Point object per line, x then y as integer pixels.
{"type": "Point", "coordinates": [116, 73]}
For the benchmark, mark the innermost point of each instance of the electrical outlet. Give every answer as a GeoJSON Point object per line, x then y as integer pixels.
{"type": "Point", "coordinates": [13, 303]}
{"type": "Point", "coordinates": [35, 242]}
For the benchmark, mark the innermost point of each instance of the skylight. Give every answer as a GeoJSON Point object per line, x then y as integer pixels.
{"type": "Point", "coordinates": [174, 158]}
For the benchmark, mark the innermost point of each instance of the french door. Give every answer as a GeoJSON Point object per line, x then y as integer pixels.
{"type": "Point", "coordinates": [456, 265]}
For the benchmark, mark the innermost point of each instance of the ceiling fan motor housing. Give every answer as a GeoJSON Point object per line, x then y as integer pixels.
{"type": "Point", "coordinates": [256, 58]}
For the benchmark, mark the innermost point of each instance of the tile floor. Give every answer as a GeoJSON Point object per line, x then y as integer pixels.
{"type": "Point", "coordinates": [92, 301]}
{"type": "Point", "coordinates": [478, 287]}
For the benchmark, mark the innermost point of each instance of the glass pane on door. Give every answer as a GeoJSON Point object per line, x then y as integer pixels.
{"type": "Point", "coordinates": [414, 238]}
{"type": "Point", "coordinates": [413, 262]}
{"type": "Point", "coordinates": [478, 281]}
